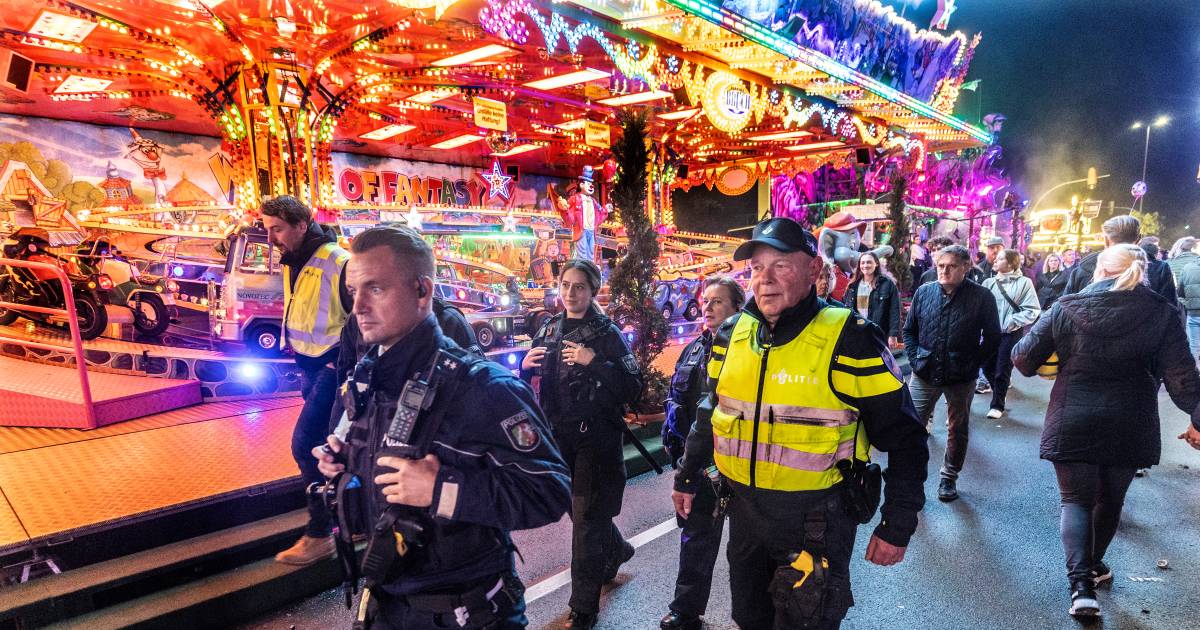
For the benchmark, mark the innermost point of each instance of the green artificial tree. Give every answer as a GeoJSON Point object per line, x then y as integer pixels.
{"type": "Point", "coordinates": [631, 283]}
{"type": "Point", "coordinates": [898, 262]}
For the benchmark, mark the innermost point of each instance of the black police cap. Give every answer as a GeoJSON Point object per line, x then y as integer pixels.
{"type": "Point", "coordinates": [782, 234]}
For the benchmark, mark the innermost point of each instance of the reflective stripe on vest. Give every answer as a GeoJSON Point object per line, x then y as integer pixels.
{"type": "Point", "coordinates": [804, 429]}
{"type": "Point", "coordinates": [313, 312]}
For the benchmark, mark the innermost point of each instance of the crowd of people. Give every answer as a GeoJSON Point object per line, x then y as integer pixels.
{"type": "Point", "coordinates": [435, 455]}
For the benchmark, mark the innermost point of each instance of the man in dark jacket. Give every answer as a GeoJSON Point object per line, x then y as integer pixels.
{"type": "Point", "coordinates": [994, 246]}
{"type": "Point", "coordinates": [1123, 228]}
{"type": "Point", "coordinates": [952, 328]}
{"type": "Point", "coordinates": [937, 244]}
{"type": "Point", "coordinates": [452, 454]}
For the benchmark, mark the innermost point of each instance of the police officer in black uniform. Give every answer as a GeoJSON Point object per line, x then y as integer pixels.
{"type": "Point", "coordinates": [586, 375]}
{"type": "Point", "coordinates": [700, 539]}
{"type": "Point", "coordinates": [451, 452]}
{"type": "Point", "coordinates": [450, 319]}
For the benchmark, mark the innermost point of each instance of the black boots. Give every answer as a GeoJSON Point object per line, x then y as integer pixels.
{"type": "Point", "coordinates": [946, 490]}
{"type": "Point", "coordinates": [580, 621]}
{"type": "Point", "coordinates": [676, 621]}
{"type": "Point", "coordinates": [614, 565]}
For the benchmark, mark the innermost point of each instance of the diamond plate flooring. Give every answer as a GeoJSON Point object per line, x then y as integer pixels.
{"type": "Point", "coordinates": [54, 481]}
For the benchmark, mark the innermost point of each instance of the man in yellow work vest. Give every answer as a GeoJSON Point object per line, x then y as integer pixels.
{"type": "Point", "coordinates": [798, 392]}
{"type": "Point", "coordinates": [315, 305]}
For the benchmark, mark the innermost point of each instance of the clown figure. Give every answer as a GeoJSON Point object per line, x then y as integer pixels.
{"type": "Point", "coordinates": [583, 214]}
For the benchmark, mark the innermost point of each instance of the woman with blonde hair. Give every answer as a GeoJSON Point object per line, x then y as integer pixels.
{"type": "Point", "coordinates": [1051, 281]}
{"type": "Point", "coordinates": [1115, 340]}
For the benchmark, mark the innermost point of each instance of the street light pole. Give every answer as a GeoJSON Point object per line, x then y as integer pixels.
{"type": "Point", "coordinates": [1145, 156]}
{"type": "Point", "coordinates": [1158, 122]}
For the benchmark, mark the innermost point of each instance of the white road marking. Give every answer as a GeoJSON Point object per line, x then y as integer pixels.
{"type": "Point", "coordinates": [563, 578]}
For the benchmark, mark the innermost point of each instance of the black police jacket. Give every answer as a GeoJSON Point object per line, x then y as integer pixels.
{"type": "Point", "coordinates": [499, 468]}
{"type": "Point", "coordinates": [352, 348]}
{"type": "Point", "coordinates": [600, 389]}
{"type": "Point", "coordinates": [687, 384]}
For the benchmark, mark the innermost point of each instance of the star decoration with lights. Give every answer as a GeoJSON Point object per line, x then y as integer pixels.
{"type": "Point", "coordinates": [414, 218]}
{"type": "Point", "coordinates": [497, 182]}
{"type": "Point", "coordinates": [510, 223]}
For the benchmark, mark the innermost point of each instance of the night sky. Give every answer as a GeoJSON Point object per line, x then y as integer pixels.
{"type": "Point", "coordinates": [1073, 75]}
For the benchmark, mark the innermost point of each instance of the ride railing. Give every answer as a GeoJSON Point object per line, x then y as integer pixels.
{"type": "Point", "coordinates": [72, 320]}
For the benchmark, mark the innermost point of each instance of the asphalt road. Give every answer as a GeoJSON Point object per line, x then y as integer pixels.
{"type": "Point", "coordinates": [992, 559]}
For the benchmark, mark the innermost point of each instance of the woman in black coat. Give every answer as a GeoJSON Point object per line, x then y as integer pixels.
{"type": "Point", "coordinates": [874, 296]}
{"type": "Point", "coordinates": [1051, 282]}
{"type": "Point", "coordinates": [1115, 340]}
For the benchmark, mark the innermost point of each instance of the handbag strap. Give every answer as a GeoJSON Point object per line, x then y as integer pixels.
{"type": "Point", "coordinates": [1016, 307]}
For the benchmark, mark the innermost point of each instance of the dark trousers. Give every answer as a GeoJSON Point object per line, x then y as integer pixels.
{"type": "Point", "coordinates": [757, 546]}
{"type": "Point", "coordinates": [312, 427]}
{"type": "Point", "coordinates": [593, 452]}
{"type": "Point", "coordinates": [998, 369]}
{"type": "Point", "coordinates": [1092, 497]}
{"type": "Point", "coordinates": [958, 414]}
{"type": "Point", "coordinates": [507, 613]}
{"type": "Point", "coordinates": [698, 547]}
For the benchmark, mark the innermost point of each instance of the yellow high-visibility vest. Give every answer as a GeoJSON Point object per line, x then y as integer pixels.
{"type": "Point", "coordinates": [313, 314]}
{"type": "Point", "coordinates": [778, 424]}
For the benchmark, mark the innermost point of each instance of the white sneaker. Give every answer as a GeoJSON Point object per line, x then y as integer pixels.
{"type": "Point", "coordinates": [1083, 601]}
{"type": "Point", "coordinates": [995, 413]}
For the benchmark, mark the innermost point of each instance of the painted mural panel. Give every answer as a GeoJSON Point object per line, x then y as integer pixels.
{"type": "Point", "coordinates": [93, 166]}
{"type": "Point", "coordinates": [866, 36]}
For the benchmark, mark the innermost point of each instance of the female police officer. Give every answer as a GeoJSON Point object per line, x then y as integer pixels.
{"type": "Point", "coordinates": [701, 536]}
{"type": "Point", "coordinates": [587, 376]}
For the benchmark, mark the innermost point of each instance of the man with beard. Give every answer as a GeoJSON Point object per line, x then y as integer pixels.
{"type": "Point", "coordinates": [315, 305]}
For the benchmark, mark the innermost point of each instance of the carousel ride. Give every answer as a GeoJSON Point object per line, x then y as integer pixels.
{"type": "Point", "coordinates": [141, 136]}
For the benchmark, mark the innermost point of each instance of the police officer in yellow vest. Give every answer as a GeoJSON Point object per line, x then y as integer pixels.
{"type": "Point", "coordinates": [798, 394]}
{"type": "Point", "coordinates": [315, 305]}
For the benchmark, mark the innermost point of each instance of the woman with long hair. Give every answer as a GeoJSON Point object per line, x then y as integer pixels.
{"type": "Point", "coordinates": [1115, 341]}
{"type": "Point", "coordinates": [1018, 307]}
{"type": "Point", "coordinates": [1052, 281]}
{"type": "Point", "coordinates": [874, 296]}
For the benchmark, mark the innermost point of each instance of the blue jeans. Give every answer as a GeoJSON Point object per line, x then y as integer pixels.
{"type": "Point", "coordinates": [585, 247]}
{"type": "Point", "coordinates": [1193, 333]}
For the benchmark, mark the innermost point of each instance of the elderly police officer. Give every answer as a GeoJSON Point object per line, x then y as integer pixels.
{"type": "Point", "coordinates": [701, 537]}
{"type": "Point", "coordinates": [798, 394]}
{"type": "Point", "coordinates": [315, 304]}
{"type": "Point", "coordinates": [586, 376]}
{"type": "Point", "coordinates": [452, 450]}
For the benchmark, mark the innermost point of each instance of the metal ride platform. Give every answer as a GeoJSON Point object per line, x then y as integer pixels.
{"type": "Point", "coordinates": [39, 395]}
{"type": "Point", "coordinates": [221, 376]}
{"type": "Point", "coordinates": [60, 485]}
